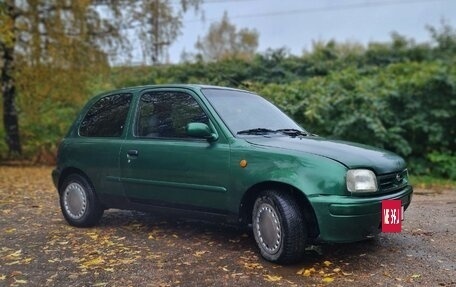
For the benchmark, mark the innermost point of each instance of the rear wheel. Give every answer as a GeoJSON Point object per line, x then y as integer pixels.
{"type": "Point", "coordinates": [78, 202]}
{"type": "Point", "coordinates": [279, 227]}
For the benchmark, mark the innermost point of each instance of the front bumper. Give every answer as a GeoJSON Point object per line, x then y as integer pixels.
{"type": "Point", "coordinates": [349, 218]}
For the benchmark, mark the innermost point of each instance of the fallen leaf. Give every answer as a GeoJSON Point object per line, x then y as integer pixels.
{"type": "Point", "coordinates": [199, 253]}
{"type": "Point", "coordinates": [94, 236]}
{"type": "Point", "coordinates": [2, 277]}
{"type": "Point", "coordinates": [272, 278]}
{"type": "Point", "coordinates": [253, 266]}
{"type": "Point", "coordinates": [16, 254]}
{"type": "Point", "coordinates": [327, 280]}
{"type": "Point", "coordinates": [93, 262]}
{"type": "Point", "coordinates": [416, 276]}
{"type": "Point", "coordinates": [20, 281]}
{"type": "Point", "coordinates": [327, 263]}
{"type": "Point", "coordinates": [336, 270]}
{"type": "Point", "coordinates": [306, 272]}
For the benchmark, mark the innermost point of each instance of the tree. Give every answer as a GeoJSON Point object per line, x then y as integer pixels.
{"type": "Point", "coordinates": [51, 49]}
{"type": "Point", "coordinates": [8, 16]}
{"type": "Point", "coordinates": [223, 40]}
{"type": "Point", "coordinates": [157, 23]}
{"type": "Point", "coordinates": [444, 37]}
{"type": "Point", "coordinates": [44, 40]}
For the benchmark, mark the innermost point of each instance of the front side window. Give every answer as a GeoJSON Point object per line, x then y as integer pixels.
{"type": "Point", "coordinates": [165, 114]}
{"type": "Point", "coordinates": [106, 118]}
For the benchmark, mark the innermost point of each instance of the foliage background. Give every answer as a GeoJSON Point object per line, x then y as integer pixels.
{"type": "Point", "coordinates": [399, 95]}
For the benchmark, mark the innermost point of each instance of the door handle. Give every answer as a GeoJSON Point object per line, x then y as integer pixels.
{"type": "Point", "coordinates": [133, 152]}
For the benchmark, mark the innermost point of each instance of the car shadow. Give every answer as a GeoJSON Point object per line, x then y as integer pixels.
{"type": "Point", "coordinates": [228, 237]}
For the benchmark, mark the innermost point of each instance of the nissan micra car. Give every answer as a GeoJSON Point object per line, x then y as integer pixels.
{"type": "Point", "coordinates": [225, 154]}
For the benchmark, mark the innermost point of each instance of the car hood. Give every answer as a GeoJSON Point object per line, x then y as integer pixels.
{"type": "Point", "coordinates": [350, 154]}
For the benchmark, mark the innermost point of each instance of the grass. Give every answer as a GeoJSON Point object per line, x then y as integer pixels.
{"type": "Point", "coordinates": [426, 181]}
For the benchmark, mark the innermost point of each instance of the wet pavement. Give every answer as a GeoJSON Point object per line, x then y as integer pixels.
{"type": "Point", "coordinates": [38, 248]}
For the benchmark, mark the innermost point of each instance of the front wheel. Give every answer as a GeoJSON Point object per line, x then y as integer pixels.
{"type": "Point", "coordinates": [279, 227]}
{"type": "Point", "coordinates": [78, 202]}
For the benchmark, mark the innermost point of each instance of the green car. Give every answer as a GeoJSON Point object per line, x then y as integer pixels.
{"type": "Point", "coordinates": [224, 154]}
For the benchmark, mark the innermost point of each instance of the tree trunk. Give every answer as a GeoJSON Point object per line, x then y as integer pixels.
{"type": "Point", "coordinates": [10, 118]}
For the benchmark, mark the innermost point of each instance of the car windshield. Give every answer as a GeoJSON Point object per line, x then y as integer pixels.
{"type": "Point", "coordinates": [247, 113]}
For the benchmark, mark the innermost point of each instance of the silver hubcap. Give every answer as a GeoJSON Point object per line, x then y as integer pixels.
{"type": "Point", "coordinates": [75, 200]}
{"type": "Point", "coordinates": [268, 229]}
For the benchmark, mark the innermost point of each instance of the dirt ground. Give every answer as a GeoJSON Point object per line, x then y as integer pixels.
{"type": "Point", "coordinates": [38, 248]}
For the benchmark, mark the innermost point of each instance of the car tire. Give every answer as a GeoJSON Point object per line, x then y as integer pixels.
{"type": "Point", "coordinates": [78, 202]}
{"type": "Point", "coordinates": [279, 227]}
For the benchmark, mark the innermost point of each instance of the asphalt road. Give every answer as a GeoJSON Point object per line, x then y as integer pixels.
{"type": "Point", "coordinates": [38, 248]}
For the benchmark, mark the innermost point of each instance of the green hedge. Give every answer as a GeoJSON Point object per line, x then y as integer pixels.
{"type": "Point", "coordinates": [399, 95]}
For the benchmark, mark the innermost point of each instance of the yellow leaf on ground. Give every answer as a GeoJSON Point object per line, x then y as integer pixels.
{"type": "Point", "coordinates": [253, 266]}
{"type": "Point", "coordinates": [199, 253]}
{"type": "Point", "coordinates": [416, 276]}
{"type": "Point", "coordinates": [108, 242]}
{"type": "Point", "coordinates": [20, 281]}
{"type": "Point", "coordinates": [2, 277]}
{"type": "Point", "coordinates": [16, 254]}
{"type": "Point", "coordinates": [11, 230]}
{"type": "Point", "coordinates": [327, 263]}
{"type": "Point", "coordinates": [93, 262]}
{"type": "Point", "coordinates": [336, 270]}
{"type": "Point", "coordinates": [327, 280]}
{"type": "Point", "coordinates": [94, 236]}
{"type": "Point", "coordinates": [306, 272]}
{"type": "Point", "coordinates": [272, 278]}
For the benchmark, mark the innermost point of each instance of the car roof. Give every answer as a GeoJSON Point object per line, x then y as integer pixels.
{"type": "Point", "coordinates": [134, 89]}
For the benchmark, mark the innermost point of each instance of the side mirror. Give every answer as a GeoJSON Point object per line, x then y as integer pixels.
{"type": "Point", "coordinates": [201, 130]}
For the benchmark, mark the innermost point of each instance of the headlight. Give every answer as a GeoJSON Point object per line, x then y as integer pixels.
{"type": "Point", "coordinates": [361, 180]}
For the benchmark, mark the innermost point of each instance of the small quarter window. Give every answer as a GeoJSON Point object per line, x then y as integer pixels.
{"type": "Point", "coordinates": [166, 114]}
{"type": "Point", "coordinates": [106, 118]}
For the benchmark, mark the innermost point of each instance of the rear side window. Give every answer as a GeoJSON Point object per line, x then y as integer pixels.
{"type": "Point", "coordinates": [106, 118]}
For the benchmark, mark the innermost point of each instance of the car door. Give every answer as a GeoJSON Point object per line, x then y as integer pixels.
{"type": "Point", "coordinates": [96, 146]}
{"type": "Point", "coordinates": [162, 165]}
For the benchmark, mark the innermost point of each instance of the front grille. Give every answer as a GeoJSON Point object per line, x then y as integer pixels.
{"type": "Point", "coordinates": [392, 181]}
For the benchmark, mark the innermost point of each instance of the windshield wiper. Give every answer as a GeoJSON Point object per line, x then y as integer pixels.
{"type": "Point", "coordinates": [292, 132]}
{"type": "Point", "coordinates": [257, 131]}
